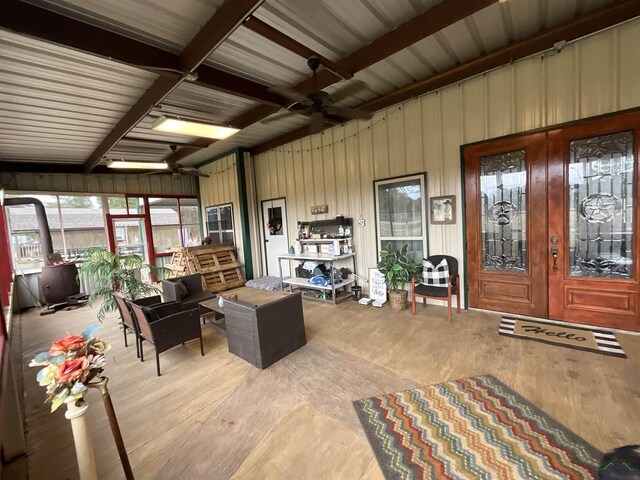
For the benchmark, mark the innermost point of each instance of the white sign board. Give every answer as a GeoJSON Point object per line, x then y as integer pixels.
{"type": "Point", "coordinates": [377, 285]}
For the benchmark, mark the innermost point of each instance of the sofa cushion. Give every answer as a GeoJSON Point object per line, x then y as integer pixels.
{"type": "Point", "coordinates": [181, 289]}
{"type": "Point", "coordinates": [150, 313]}
{"type": "Point", "coordinates": [435, 275]}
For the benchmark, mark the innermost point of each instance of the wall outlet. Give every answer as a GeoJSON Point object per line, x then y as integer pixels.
{"type": "Point", "coordinates": [361, 222]}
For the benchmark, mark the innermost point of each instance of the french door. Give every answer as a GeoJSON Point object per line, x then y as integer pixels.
{"type": "Point", "coordinates": [552, 223]}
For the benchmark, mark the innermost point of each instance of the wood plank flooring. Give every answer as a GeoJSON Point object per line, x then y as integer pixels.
{"type": "Point", "coordinates": [217, 417]}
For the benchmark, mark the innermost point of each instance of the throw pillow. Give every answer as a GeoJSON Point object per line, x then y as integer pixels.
{"type": "Point", "coordinates": [181, 289]}
{"type": "Point", "coordinates": [150, 313]}
{"type": "Point", "coordinates": [435, 275]}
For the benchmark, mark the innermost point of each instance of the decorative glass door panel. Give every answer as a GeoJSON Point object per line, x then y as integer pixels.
{"type": "Point", "coordinates": [601, 172]}
{"type": "Point", "coordinates": [592, 244]}
{"type": "Point", "coordinates": [506, 252]}
{"type": "Point", "coordinates": [503, 187]}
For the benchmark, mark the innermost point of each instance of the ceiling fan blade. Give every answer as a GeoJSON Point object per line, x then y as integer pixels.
{"type": "Point", "coordinates": [350, 113]}
{"type": "Point", "coordinates": [288, 93]}
{"type": "Point", "coordinates": [349, 90]}
{"type": "Point", "coordinates": [317, 123]}
{"type": "Point", "coordinates": [280, 116]}
{"type": "Point", "coordinates": [190, 171]}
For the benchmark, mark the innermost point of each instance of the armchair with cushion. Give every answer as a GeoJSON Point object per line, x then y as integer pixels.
{"type": "Point", "coordinates": [438, 279]}
{"type": "Point", "coordinates": [126, 315]}
{"type": "Point", "coordinates": [166, 326]}
{"type": "Point", "coordinates": [186, 290]}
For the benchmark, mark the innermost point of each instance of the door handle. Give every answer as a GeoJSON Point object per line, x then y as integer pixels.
{"type": "Point", "coordinates": [554, 252]}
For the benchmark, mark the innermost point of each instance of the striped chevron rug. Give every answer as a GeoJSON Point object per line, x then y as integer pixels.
{"type": "Point", "coordinates": [474, 428]}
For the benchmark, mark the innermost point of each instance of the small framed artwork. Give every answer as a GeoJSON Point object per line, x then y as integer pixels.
{"type": "Point", "coordinates": [319, 209]}
{"type": "Point", "coordinates": [443, 210]}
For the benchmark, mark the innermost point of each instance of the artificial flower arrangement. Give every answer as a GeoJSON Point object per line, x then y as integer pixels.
{"type": "Point", "coordinates": [70, 364]}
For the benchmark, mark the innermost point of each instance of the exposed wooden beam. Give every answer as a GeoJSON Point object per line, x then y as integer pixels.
{"type": "Point", "coordinates": [433, 20]}
{"type": "Point", "coordinates": [276, 36]}
{"type": "Point", "coordinates": [36, 22]}
{"type": "Point", "coordinates": [571, 30]}
{"type": "Point", "coordinates": [228, 16]}
{"type": "Point", "coordinates": [178, 155]}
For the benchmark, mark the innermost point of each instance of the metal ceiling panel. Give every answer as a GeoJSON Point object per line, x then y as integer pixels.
{"type": "Point", "coordinates": [167, 24]}
{"type": "Point", "coordinates": [205, 104]}
{"type": "Point", "coordinates": [252, 56]}
{"type": "Point", "coordinates": [56, 104]}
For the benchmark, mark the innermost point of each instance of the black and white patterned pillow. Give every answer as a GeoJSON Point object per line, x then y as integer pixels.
{"type": "Point", "coordinates": [435, 275]}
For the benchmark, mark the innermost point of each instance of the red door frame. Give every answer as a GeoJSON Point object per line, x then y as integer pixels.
{"type": "Point", "coordinates": [148, 236]}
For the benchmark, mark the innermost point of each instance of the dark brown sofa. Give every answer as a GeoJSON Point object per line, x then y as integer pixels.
{"type": "Point", "coordinates": [264, 334]}
{"type": "Point", "coordinates": [191, 298]}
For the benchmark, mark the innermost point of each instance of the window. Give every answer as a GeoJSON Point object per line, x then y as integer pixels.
{"type": "Point", "coordinates": [189, 217]}
{"type": "Point", "coordinates": [220, 223]}
{"type": "Point", "coordinates": [165, 224]}
{"type": "Point", "coordinates": [76, 222]}
{"type": "Point", "coordinates": [82, 224]}
{"type": "Point", "coordinates": [401, 214]}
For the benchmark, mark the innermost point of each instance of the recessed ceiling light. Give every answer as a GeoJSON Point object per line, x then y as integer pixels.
{"type": "Point", "coordinates": [137, 165]}
{"type": "Point", "coordinates": [191, 128]}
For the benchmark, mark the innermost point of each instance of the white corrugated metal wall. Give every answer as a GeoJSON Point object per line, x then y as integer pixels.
{"type": "Point", "coordinates": [593, 76]}
{"type": "Point", "coordinates": [102, 183]}
{"type": "Point", "coordinates": [222, 187]}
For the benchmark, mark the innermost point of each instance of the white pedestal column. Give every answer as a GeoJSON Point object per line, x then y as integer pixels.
{"type": "Point", "coordinates": [82, 439]}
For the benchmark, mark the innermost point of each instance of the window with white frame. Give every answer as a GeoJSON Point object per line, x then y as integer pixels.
{"type": "Point", "coordinates": [401, 215]}
{"type": "Point", "coordinates": [220, 223]}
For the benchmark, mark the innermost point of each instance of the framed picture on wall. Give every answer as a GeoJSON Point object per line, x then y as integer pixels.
{"type": "Point", "coordinates": [443, 210]}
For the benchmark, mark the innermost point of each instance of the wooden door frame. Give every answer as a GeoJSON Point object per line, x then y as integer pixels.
{"type": "Point", "coordinates": [528, 300]}
{"type": "Point", "coordinates": [262, 224]}
{"type": "Point", "coordinates": [546, 130]}
{"type": "Point", "coordinates": [617, 290]}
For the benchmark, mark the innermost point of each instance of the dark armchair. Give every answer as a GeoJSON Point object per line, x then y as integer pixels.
{"type": "Point", "coordinates": [264, 334]}
{"type": "Point", "coordinates": [186, 290]}
{"type": "Point", "coordinates": [443, 291]}
{"type": "Point", "coordinates": [166, 326]}
{"type": "Point", "coordinates": [126, 315]}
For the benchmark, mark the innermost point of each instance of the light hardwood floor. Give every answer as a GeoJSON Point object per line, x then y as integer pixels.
{"type": "Point", "coordinates": [217, 417]}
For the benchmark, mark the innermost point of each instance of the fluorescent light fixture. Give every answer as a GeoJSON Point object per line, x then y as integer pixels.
{"type": "Point", "coordinates": [191, 128]}
{"type": "Point", "coordinates": [137, 165]}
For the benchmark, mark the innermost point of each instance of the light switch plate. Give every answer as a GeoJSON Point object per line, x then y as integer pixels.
{"type": "Point", "coordinates": [361, 222]}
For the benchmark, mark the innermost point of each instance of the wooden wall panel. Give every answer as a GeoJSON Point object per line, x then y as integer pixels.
{"type": "Point", "coordinates": [593, 76]}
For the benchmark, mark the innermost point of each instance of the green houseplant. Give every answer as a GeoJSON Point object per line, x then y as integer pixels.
{"type": "Point", "coordinates": [397, 267]}
{"type": "Point", "coordinates": [116, 273]}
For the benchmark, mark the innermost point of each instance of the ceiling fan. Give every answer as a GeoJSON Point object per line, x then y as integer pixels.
{"type": "Point", "coordinates": [319, 105]}
{"type": "Point", "coordinates": [176, 169]}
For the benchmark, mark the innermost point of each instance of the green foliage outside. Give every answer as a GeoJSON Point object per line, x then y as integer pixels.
{"type": "Point", "coordinates": [397, 267]}
{"type": "Point", "coordinates": [115, 273]}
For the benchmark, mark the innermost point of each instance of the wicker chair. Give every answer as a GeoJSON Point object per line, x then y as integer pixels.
{"type": "Point", "coordinates": [126, 315]}
{"type": "Point", "coordinates": [166, 326]}
{"type": "Point", "coordinates": [425, 291]}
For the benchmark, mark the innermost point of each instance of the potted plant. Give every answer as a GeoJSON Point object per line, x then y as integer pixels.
{"type": "Point", "coordinates": [116, 273]}
{"type": "Point", "coordinates": [398, 268]}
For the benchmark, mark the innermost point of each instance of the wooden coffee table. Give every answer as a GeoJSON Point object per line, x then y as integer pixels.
{"type": "Point", "coordinates": [211, 311]}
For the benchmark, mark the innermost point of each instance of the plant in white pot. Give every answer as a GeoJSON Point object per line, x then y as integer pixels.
{"type": "Point", "coordinates": [397, 267]}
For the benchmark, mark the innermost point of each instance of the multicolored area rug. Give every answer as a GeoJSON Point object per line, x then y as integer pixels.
{"type": "Point", "coordinates": [591, 339]}
{"type": "Point", "coordinates": [474, 428]}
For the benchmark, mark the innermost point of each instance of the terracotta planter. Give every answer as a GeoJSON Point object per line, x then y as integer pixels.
{"type": "Point", "coordinates": [398, 299]}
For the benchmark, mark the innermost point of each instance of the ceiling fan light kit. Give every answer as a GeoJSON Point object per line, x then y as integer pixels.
{"type": "Point", "coordinates": [123, 164]}
{"type": "Point", "coordinates": [192, 128]}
